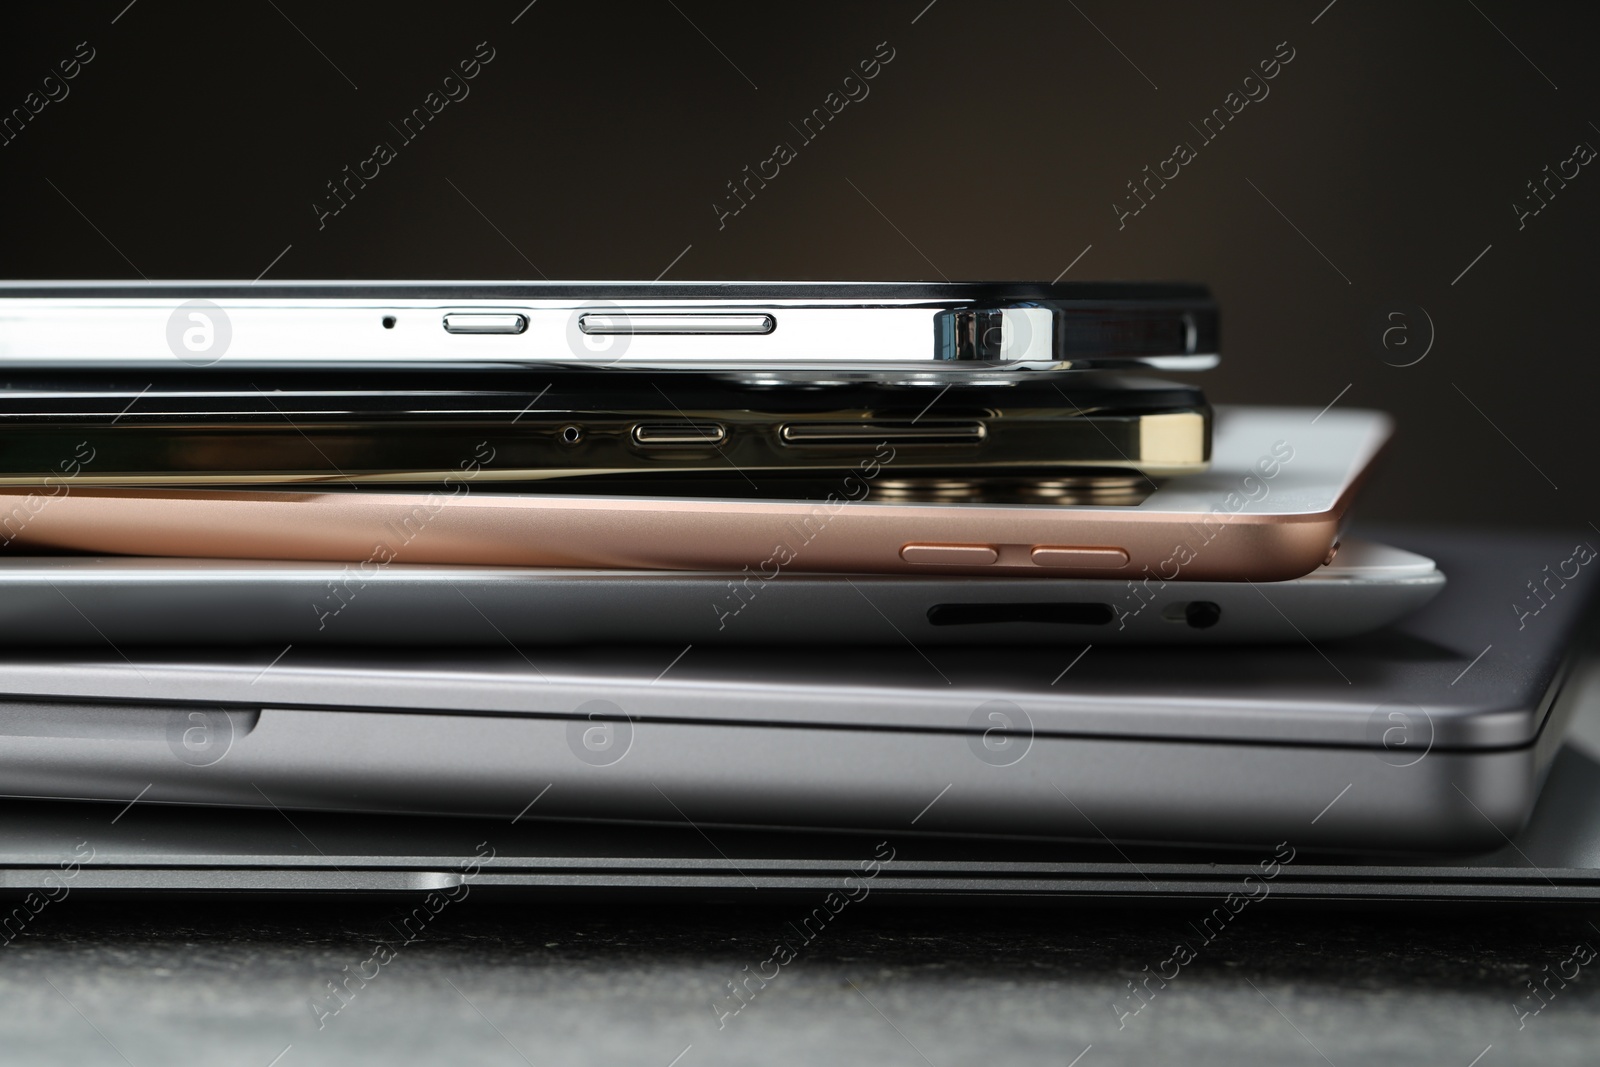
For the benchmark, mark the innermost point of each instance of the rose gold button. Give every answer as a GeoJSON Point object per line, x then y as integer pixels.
{"type": "Point", "coordinates": [1064, 556]}
{"type": "Point", "coordinates": [950, 555]}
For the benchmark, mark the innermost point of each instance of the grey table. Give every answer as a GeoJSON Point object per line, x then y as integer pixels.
{"type": "Point", "coordinates": [94, 982]}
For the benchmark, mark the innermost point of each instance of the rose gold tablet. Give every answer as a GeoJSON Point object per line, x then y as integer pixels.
{"type": "Point", "coordinates": [1268, 509]}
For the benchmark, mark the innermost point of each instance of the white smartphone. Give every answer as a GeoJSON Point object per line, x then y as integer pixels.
{"type": "Point", "coordinates": [766, 326]}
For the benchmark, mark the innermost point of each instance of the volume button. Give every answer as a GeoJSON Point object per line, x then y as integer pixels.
{"type": "Point", "coordinates": [950, 555]}
{"type": "Point", "coordinates": [1066, 556]}
{"type": "Point", "coordinates": [484, 322]}
{"type": "Point", "coordinates": [674, 322]}
{"type": "Point", "coordinates": [704, 433]}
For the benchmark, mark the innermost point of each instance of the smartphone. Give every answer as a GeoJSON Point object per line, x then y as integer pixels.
{"type": "Point", "coordinates": [1269, 508]}
{"type": "Point", "coordinates": [419, 426]}
{"type": "Point", "coordinates": [773, 326]}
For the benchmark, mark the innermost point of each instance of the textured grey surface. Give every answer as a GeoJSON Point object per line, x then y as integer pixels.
{"type": "Point", "coordinates": [94, 982]}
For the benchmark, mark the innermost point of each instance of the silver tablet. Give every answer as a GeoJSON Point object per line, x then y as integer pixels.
{"type": "Point", "coordinates": [66, 600]}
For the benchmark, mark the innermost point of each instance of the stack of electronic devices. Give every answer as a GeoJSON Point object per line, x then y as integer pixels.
{"type": "Point", "coordinates": [954, 562]}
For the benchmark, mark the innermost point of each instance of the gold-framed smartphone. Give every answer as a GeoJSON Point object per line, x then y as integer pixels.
{"type": "Point", "coordinates": [411, 426]}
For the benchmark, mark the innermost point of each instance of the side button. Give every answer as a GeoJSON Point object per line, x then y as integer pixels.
{"type": "Point", "coordinates": [673, 322]}
{"type": "Point", "coordinates": [476, 322]}
{"type": "Point", "coordinates": [950, 555]}
{"type": "Point", "coordinates": [1063, 556]}
{"type": "Point", "coordinates": [685, 433]}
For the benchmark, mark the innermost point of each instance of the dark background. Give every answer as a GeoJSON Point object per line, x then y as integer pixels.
{"type": "Point", "coordinates": [993, 145]}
